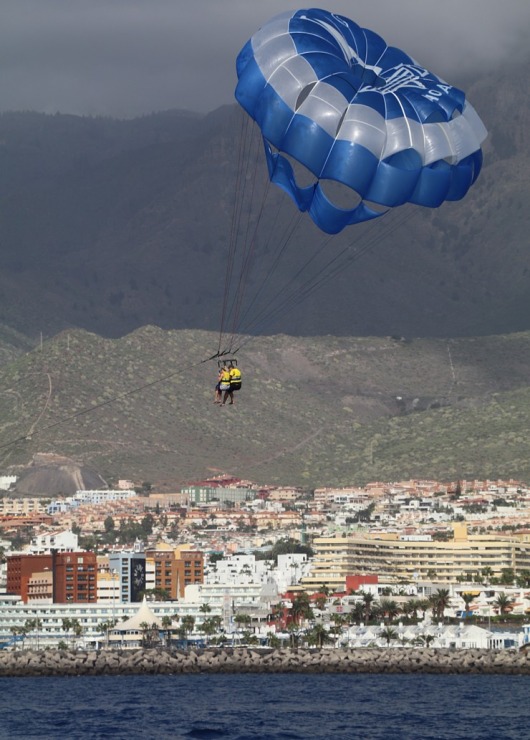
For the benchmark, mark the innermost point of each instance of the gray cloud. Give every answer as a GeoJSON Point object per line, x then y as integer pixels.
{"type": "Point", "coordinates": [130, 57]}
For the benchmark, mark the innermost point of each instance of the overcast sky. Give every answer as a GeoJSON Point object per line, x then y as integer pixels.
{"type": "Point", "coordinates": [130, 57]}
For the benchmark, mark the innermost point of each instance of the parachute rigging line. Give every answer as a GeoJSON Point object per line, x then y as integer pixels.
{"type": "Point", "coordinates": [241, 244]}
{"type": "Point", "coordinates": [312, 283]}
{"type": "Point", "coordinates": [234, 226]}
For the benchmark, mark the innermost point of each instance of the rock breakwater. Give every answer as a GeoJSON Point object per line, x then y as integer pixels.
{"type": "Point", "coordinates": [248, 660]}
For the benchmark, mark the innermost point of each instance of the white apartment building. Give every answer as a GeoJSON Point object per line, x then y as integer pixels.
{"type": "Point", "coordinates": [6, 481]}
{"type": "Point", "coordinates": [88, 497]}
{"type": "Point", "coordinates": [14, 613]}
{"type": "Point", "coordinates": [65, 541]}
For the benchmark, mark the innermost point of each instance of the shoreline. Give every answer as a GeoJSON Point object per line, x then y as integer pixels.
{"type": "Point", "coordinates": [28, 663]}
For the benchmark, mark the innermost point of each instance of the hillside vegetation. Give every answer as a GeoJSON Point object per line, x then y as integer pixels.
{"type": "Point", "coordinates": [312, 411]}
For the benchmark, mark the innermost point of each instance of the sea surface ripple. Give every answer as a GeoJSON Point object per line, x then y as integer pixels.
{"type": "Point", "coordinates": [266, 707]}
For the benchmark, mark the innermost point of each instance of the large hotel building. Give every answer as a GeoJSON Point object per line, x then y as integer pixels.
{"type": "Point", "coordinates": [408, 559]}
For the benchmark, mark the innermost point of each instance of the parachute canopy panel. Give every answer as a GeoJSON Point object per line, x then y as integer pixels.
{"type": "Point", "coordinates": [351, 109]}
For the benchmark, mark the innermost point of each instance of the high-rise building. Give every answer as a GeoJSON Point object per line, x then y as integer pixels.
{"type": "Point", "coordinates": [130, 568]}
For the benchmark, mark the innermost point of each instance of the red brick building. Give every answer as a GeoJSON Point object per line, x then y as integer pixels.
{"type": "Point", "coordinates": [74, 575]}
{"type": "Point", "coordinates": [20, 568]}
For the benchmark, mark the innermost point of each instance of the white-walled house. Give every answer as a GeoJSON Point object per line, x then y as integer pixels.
{"type": "Point", "coordinates": [65, 541]}
{"type": "Point", "coordinates": [460, 636]}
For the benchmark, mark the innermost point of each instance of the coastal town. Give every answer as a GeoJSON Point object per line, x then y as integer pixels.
{"type": "Point", "coordinates": [224, 561]}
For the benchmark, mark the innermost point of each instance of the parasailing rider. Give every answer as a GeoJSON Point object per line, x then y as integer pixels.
{"type": "Point", "coordinates": [234, 375]}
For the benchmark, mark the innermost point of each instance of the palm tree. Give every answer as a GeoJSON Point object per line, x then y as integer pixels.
{"type": "Point", "coordinates": [389, 609]}
{"type": "Point", "coordinates": [338, 622]}
{"type": "Point", "coordinates": [292, 628]}
{"type": "Point", "coordinates": [66, 624]}
{"type": "Point", "coordinates": [145, 627]}
{"type": "Point", "coordinates": [150, 634]}
{"type": "Point", "coordinates": [439, 602]}
{"type": "Point", "coordinates": [209, 627]}
{"type": "Point", "coordinates": [388, 634]}
{"type": "Point", "coordinates": [425, 639]}
{"type": "Point", "coordinates": [423, 605]}
{"type": "Point", "coordinates": [273, 640]}
{"type": "Point", "coordinates": [467, 598]}
{"type": "Point", "coordinates": [444, 599]}
{"type": "Point", "coordinates": [76, 626]}
{"type": "Point", "coordinates": [301, 608]}
{"type": "Point", "coordinates": [357, 613]}
{"type": "Point", "coordinates": [277, 615]}
{"type": "Point", "coordinates": [19, 632]}
{"type": "Point", "coordinates": [523, 579]}
{"type": "Point", "coordinates": [318, 635]}
{"type": "Point", "coordinates": [106, 627]}
{"type": "Point", "coordinates": [368, 599]}
{"type": "Point", "coordinates": [188, 624]}
{"type": "Point", "coordinates": [167, 624]}
{"type": "Point", "coordinates": [412, 606]}
{"type": "Point", "coordinates": [504, 603]}
{"type": "Point", "coordinates": [38, 626]}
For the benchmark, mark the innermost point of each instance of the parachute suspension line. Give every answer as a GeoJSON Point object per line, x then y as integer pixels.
{"type": "Point", "coordinates": [249, 245]}
{"type": "Point", "coordinates": [283, 243]}
{"type": "Point", "coordinates": [284, 291]}
{"type": "Point", "coordinates": [300, 294]}
{"type": "Point", "coordinates": [346, 257]}
{"type": "Point", "coordinates": [234, 226]}
{"type": "Point", "coordinates": [349, 258]}
{"type": "Point", "coordinates": [239, 261]}
{"type": "Point", "coordinates": [340, 261]}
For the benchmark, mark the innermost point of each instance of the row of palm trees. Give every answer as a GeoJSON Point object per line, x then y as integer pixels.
{"type": "Point", "coordinates": [72, 628]}
{"type": "Point", "coordinates": [369, 609]}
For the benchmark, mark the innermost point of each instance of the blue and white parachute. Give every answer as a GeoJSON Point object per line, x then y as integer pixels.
{"type": "Point", "coordinates": [335, 98]}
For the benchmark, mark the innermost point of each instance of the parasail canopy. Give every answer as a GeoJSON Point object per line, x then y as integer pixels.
{"type": "Point", "coordinates": [335, 98]}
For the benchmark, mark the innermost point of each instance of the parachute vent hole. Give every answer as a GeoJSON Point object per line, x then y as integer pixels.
{"type": "Point", "coordinates": [341, 121]}
{"type": "Point", "coordinates": [304, 94]}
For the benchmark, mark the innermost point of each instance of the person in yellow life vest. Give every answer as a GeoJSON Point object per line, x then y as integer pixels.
{"type": "Point", "coordinates": [224, 382]}
{"type": "Point", "coordinates": [218, 397]}
{"type": "Point", "coordinates": [235, 385]}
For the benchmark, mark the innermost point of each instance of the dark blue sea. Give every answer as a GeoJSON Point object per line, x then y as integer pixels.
{"type": "Point", "coordinates": [266, 707]}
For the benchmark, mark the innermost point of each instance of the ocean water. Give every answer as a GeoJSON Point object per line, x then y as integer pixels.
{"type": "Point", "coordinates": [266, 707]}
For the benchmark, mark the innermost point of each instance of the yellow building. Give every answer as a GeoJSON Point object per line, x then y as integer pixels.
{"type": "Point", "coordinates": [397, 559]}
